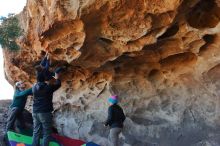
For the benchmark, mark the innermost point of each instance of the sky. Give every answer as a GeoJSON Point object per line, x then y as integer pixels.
{"type": "Point", "coordinates": [11, 6]}
{"type": "Point", "coordinates": [8, 6]}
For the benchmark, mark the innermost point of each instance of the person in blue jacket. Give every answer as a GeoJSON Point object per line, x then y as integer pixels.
{"type": "Point", "coordinates": [42, 108]}
{"type": "Point", "coordinates": [17, 106]}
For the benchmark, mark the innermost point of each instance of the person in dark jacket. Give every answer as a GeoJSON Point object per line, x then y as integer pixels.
{"type": "Point", "coordinates": [42, 108]}
{"type": "Point", "coordinates": [17, 106]}
{"type": "Point", "coordinates": [44, 68]}
{"type": "Point", "coordinates": [115, 120]}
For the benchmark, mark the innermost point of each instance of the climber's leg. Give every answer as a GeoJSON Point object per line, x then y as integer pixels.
{"type": "Point", "coordinates": [12, 116]}
{"type": "Point", "coordinates": [36, 130]}
{"type": "Point", "coordinates": [114, 136]}
{"type": "Point", "coordinates": [59, 70]}
{"type": "Point", "coordinates": [46, 120]}
{"type": "Point", "coordinates": [20, 123]}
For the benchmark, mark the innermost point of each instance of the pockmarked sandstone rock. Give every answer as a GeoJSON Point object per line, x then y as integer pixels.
{"type": "Point", "coordinates": [162, 57]}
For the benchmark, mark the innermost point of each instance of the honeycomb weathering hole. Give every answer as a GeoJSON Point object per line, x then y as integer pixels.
{"type": "Point", "coordinates": [108, 41]}
{"type": "Point", "coordinates": [209, 38]}
{"type": "Point", "coordinates": [170, 32]}
{"type": "Point", "coordinates": [42, 53]}
{"type": "Point", "coordinates": [58, 51]}
{"type": "Point", "coordinates": [206, 14]}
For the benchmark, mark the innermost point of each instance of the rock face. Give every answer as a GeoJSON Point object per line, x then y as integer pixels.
{"type": "Point", "coordinates": [3, 115]}
{"type": "Point", "coordinates": [162, 57]}
{"type": "Point", "coordinates": [4, 104]}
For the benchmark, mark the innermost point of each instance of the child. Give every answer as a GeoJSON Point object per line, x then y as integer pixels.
{"type": "Point", "coordinates": [115, 120]}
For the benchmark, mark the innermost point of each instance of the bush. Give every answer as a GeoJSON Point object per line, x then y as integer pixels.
{"type": "Point", "coordinates": [9, 32]}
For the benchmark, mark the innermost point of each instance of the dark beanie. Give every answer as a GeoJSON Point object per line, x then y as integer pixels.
{"type": "Point", "coordinates": [40, 77]}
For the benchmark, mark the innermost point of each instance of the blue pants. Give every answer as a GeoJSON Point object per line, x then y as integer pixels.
{"type": "Point", "coordinates": [42, 123]}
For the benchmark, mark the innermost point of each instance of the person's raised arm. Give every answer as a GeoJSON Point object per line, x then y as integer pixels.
{"type": "Point", "coordinates": [45, 62]}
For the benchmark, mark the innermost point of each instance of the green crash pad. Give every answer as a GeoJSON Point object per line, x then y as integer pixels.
{"type": "Point", "coordinates": [16, 139]}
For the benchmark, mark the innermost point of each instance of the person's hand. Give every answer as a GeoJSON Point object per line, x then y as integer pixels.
{"type": "Point", "coordinates": [56, 76]}
{"type": "Point", "coordinates": [48, 56]}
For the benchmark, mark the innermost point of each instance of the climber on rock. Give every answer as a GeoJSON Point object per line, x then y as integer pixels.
{"type": "Point", "coordinates": [44, 68]}
{"type": "Point", "coordinates": [115, 120]}
{"type": "Point", "coordinates": [17, 106]}
{"type": "Point", "coordinates": [42, 108]}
